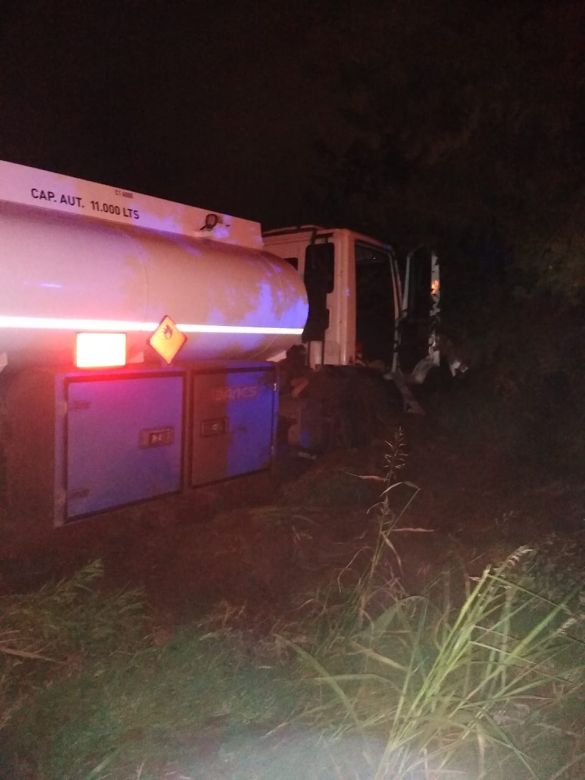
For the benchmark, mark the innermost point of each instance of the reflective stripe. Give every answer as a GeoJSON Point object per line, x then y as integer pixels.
{"type": "Point", "coordinates": [131, 326]}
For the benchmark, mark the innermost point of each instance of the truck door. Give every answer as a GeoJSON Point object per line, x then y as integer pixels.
{"type": "Point", "coordinates": [377, 303]}
{"type": "Point", "coordinates": [420, 305]}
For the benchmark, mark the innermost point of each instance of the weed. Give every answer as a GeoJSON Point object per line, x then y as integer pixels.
{"type": "Point", "coordinates": [475, 688]}
{"type": "Point", "coordinates": [476, 685]}
{"type": "Point", "coordinates": [365, 682]}
{"type": "Point", "coordinates": [50, 632]}
{"type": "Point", "coordinates": [86, 695]}
{"type": "Point", "coordinates": [151, 708]}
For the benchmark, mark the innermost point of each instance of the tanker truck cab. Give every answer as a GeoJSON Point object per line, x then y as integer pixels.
{"type": "Point", "coordinates": [135, 344]}
{"type": "Point", "coordinates": [362, 309]}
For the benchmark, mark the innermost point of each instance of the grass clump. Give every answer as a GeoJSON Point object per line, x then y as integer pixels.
{"type": "Point", "coordinates": [149, 710]}
{"type": "Point", "coordinates": [73, 615]}
{"type": "Point", "coordinates": [51, 632]}
{"type": "Point", "coordinates": [483, 679]}
{"type": "Point", "coordinates": [87, 693]}
{"type": "Point", "coordinates": [475, 678]}
{"type": "Point", "coordinates": [488, 685]}
{"type": "Point", "coordinates": [424, 688]}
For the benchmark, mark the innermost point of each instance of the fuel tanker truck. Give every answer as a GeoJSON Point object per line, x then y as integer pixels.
{"type": "Point", "coordinates": [140, 339]}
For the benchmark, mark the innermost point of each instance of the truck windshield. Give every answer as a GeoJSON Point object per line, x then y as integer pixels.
{"type": "Point", "coordinates": [375, 309]}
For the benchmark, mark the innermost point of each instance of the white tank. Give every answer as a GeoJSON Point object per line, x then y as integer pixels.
{"type": "Point", "coordinates": [63, 273]}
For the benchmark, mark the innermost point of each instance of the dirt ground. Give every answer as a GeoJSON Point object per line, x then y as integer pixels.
{"type": "Point", "coordinates": [262, 541]}
{"type": "Point", "coordinates": [252, 551]}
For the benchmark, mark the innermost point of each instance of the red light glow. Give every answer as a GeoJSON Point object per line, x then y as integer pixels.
{"type": "Point", "coordinates": [100, 350]}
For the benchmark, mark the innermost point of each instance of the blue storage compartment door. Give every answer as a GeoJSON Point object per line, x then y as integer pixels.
{"type": "Point", "coordinates": [233, 417]}
{"type": "Point", "coordinates": [123, 441]}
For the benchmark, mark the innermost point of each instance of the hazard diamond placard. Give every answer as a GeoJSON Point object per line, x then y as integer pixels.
{"type": "Point", "coordinates": [167, 340]}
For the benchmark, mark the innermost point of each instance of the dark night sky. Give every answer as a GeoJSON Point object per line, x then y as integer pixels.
{"type": "Point", "coordinates": [223, 104]}
{"type": "Point", "coordinates": [209, 103]}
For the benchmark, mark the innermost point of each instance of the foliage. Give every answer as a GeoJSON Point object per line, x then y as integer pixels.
{"type": "Point", "coordinates": [72, 615]}
{"type": "Point", "coordinates": [50, 632]}
{"type": "Point", "coordinates": [478, 688]}
{"type": "Point", "coordinates": [148, 709]}
{"type": "Point", "coordinates": [479, 155]}
{"type": "Point", "coordinates": [474, 678]}
{"type": "Point", "coordinates": [86, 694]}
{"type": "Point", "coordinates": [437, 156]}
{"type": "Point", "coordinates": [487, 683]}
{"type": "Point", "coordinates": [522, 396]}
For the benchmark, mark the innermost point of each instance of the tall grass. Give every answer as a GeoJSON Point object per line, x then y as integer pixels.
{"type": "Point", "coordinates": [86, 692]}
{"type": "Point", "coordinates": [50, 636]}
{"type": "Point", "coordinates": [47, 633]}
{"type": "Point", "coordinates": [476, 678]}
{"type": "Point", "coordinates": [476, 687]}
